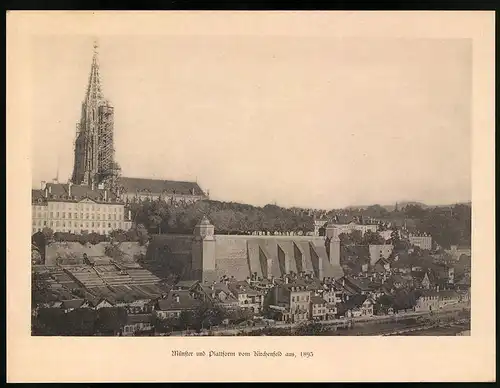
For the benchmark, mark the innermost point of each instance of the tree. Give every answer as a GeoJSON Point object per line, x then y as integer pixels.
{"type": "Point", "coordinates": [40, 291]}
{"type": "Point", "coordinates": [414, 211]}
{"type": "Point", "coordinates": [48, 233]}
{"type": "Point", "coordinates": [372, 238]}
{"type": "Point", "coordinates": [186, 320]}
{"type": "Point", "coordinates": [206, 315]}
{"type": "Point", "coordinates": [81, 322]}
{"type": "Point", "coordinates": [239, 315]}
{"type": "Point", "coordinates": [383, 304]}
{"type": "Point", "coordinates": [356, 237]}
{"type": "Point", "coordinates": [142, 234]}
{"type": "Point", "coordinates": [155, 221]}
{"type": "Point", "coordinates": [118, 235]}
{"type": "Point", "coordinates": [110, 320]}
{"type": "Point", "coordinates": [164, 325]}
{"type": "Point", "coordinates": [132, 235]}
{"type": "Point", "coordinates": [49, 322]}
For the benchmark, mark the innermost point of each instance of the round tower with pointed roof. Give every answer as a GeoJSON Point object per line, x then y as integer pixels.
{"type": "Point", "coordinates": [204, 228]}
{"type": "Point", "coordinates": [203, 251]}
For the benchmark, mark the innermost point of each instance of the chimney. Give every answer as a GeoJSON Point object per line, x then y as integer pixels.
{"type": "Point", "coordinates": [130, 215]}
{"type": "Point", "coordinates": [69, 189]}
{"type": "Point", "coordinates": [92, 186]}
{"type": "Point", "coordinates": [42, 185]}
{"type": "Point", "coordinates": [343, 282]}
{"type": "Point", "coordinates": [46, 192]}
{"type": "Point", "coordinates": [50, 189]}
{"type": "Point", "coordinates": [286, 279]}
{"type": "Point", "coordinates": [105, 195]}
{"type": "Point", "coordinates": [177, 298]}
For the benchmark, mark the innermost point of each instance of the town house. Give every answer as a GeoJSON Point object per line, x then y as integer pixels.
{"type": "Point", "coordinates": [428, 301]}
{"type": "Point", "coordinates": [175, 303]}
{"type": "Point", "coordinates": [136, 323]}
{"type": "Point", "coordinates": [292, 300]}
{"type": "Point", "coordinates": [247, 297]}
{"type": "Point", "coordinates": [318, 308]}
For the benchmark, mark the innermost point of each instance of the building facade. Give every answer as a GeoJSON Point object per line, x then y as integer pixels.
{"type": "Point", "coordinates": [421, 241]}
{"type": "Point", "coordinates": [320, 228]}
{"type": "Point", "coordinates": [77, 209]}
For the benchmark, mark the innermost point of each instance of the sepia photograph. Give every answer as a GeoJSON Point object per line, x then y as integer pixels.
{"type": "Point", "coordinates": [155, 223]}
{"type": "Point", "coordinates": [250, 185]}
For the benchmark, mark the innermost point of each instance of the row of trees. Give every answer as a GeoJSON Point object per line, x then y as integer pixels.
{"type": "Point", "coordinates": [357, 238]}
{"type": "Point", "coordinates": [137, 234]}
{"type": "Point", "coordinates": [203, 317]}
{"type": "Point", "coordinates": [79, 322]}
{"type": "Point", "coordinates": [401, 300]}
{"type": "Point", "coordinates": [227, 217]}
{"type": "Point", "coordinates": [448, 225]}
{"type": "Point", "coordinates": [111, 320]}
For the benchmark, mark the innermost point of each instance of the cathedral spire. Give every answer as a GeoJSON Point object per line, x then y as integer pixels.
{"type": "Point", "coordinates": [94, 91]}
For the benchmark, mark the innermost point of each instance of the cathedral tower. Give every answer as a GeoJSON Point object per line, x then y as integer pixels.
{"type": "Point", "coordinates": [94, 145]}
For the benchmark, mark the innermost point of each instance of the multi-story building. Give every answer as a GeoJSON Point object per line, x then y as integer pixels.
{"type": "Point", "coordinates": [423, 241]}
{"type": "Point", "coordinates": [320, 228]}
{"type": "Point", "coordinates": [248, 298]}
{"type": "Point", "coordinates": [294, 299]}
{"type": "Point", "coordinates": [318, 309]}
{"type": "Point", "coordinates": [77, 209]}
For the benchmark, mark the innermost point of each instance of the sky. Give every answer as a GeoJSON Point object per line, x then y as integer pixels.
{"type": "Point", "coordinates": [310, 122]}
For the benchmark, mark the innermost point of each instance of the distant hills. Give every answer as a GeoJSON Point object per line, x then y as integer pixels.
{"type": "Point", "coordinates": [402, 204]}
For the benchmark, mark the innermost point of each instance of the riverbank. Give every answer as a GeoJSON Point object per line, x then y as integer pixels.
{"type": "Point", "coordinates": [410, 323]}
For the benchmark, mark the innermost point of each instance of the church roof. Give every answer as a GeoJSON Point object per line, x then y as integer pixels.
{"type": "Point", "coordinates": [157, 186]}
{"type": "Point", "coordinates": [60, 192]}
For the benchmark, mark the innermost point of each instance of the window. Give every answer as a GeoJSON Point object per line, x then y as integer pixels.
{"type": "Point", "coordinates": [57, 214]}
{"type": "Point", "coordinates": [63, 214]}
